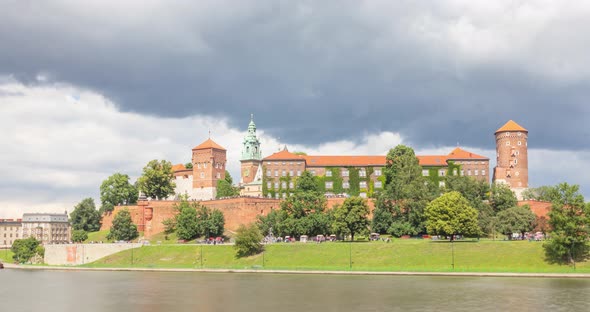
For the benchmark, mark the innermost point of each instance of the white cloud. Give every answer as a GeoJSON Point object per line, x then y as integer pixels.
{"type": "Point", "coordinates": [59, 142]}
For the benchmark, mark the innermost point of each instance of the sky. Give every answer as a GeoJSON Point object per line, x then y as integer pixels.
{"type": "Point", "coordinates": [90, 88]}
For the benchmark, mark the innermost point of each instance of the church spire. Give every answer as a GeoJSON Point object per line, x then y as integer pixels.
{"type": "Point", "coordinates": [251, 144]}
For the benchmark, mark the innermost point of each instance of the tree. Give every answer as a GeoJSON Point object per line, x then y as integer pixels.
{"type": "Point", "coordinates": [502, 197]}
{"type": "Point", "coordinates": [157, 179]}
{"type": "Point", "coordinates": [541, 193]}
{"type": "Point", "coordinates": [116, 190]}
{"type": "Point", "coordinates": [569, 219]}
{"type": "Point", "coordinates": [85, 217]}
{"type": "Point", "coordinates": [408, 189]}
{"type": "Point", "coordinates": [307, 183]}
{"type": "Point", "coordinates": [351, 216]}
{"type": "Point", "coordinates": [123, 227]}
{"type": "Point", "coordinates": [25, 249]}
{"type": "Point", "coordinates": [248, 241]}
{"type": "Point", "coordinates": [210, 222]}
{"type": "Point", "coordinates": [189, 165]}
{"type": "Point", "coordinates": [169, 226]}
{"type": "Point", "coordinates": [382, 215]}
{"type": "Point", "coordinates": [225, 187]}
{"type": "Point", "coordinates": [451, 215]}
{"type": "Point", "coordinates": [519, 219]}
{"type": "Point", "coordinates": [187, 226]}
{"type": "Point", "coordinates": [79, 236]}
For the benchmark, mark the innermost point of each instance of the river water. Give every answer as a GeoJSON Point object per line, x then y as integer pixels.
{"type": "Point", "coordinates": [39, 290]}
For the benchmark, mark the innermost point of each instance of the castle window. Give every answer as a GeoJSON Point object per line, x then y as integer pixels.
{"type": "Point", "coordinates": [516, 161]}
{"type": "Point", "coordinates": [283, 163]}
{"type": "Point", "coordinates": [425, 173]}
{"type": "Point", "coordinates": [329, 185]}
{"type": "Point", "coordinates": [517, 173]}
{"type": "Point", "coordinates": [204, 165]}
{"type": "Point", "coordinates": [483, 172]}
{"type": "Point", "coordinates": [441, 184]}
{"type": "Point", "coordinates": [345, 173]}
{"type": "Point", "coordinates": [268, 184]}
{"type": "Point", "coordinates": [475, 172]}
{"type": "Point", "coordinates": [363, 184]}
{"type": "Point", "coordinates": [469, 172]}
{"type": "Point", "coordinates": [519, 143]}
{"type": "Point", "coordinates": [507, 143]}
{"type": "Point", "coordinates": [441, 173]}
{"type": "Point", "coordinates": [377, 172]}
{"type": "Point", "coordinates": [202, 175]}
{"type": "Point", "coordinates": [268, 173]}
{"type": "Point", "coordinates": [276, 185]}
{"type": "Point", "coordinates": [345, 185]}
{"type": "Point", "coordinates": [507, 133]}
{"type": "Point", "coordinates": [362, 173]}
{"type": "Point", "coordinates": [284, 173]}
{"type": "Point", "coordinates": [363, 195]}
{"type": "Point", "coordinates": [455, 171]}
{"type": "Point", "coordinates": [198, 165]}
{"type": "Point", "coordinates": [378, 184]}
{"type": "Point", "coordinates": [284, 195]}
{"type": "Point", "coordinates": [218, 175]}
{"type": "Point", "coordinates": [290, 173]}
{"type": "Point", "coordinates": [291, 185]}
{"type": "Point", "coordinates": [284, 185]}
{"type": "Point", "coordinates": [328, 173]}
{"type": "Point", "coordinates": [277, 195]}
{"type": "Point", "coordinates": [519, 133]}
{"type": "Point", "coordinates": [298, 173]}
{"type": "Point", "coordinates": [276, 173]}
{"type": "Point", "coordinates": [313, 172]}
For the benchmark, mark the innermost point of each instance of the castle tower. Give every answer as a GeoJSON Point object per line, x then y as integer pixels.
{"type": "Point", "coordinates": [251, 154]}
{"type": "Point", "coordinates": [209, 160]}
{"type": "Point", "coordinates": [512, 165]}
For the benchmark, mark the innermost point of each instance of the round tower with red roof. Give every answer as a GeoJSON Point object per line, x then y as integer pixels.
{"type": "Point", "coordinates": [512, 165]}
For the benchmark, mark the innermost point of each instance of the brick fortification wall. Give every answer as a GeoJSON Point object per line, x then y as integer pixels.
{"type": "Point", "coordinates": [149, 215]}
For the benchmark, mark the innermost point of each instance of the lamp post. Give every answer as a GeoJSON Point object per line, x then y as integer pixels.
{"type": "Point", "coordinates": [350, 255]}
{"type": "Point", "coordinates": [453, 252]}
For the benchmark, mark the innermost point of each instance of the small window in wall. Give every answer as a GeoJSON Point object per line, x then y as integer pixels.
{"type": "Point", "coordinates": [298, 173]}
{"type": "Point", "coordinates": [378, 184]}
{"type": "Point", "coordinates": [475, 172]}
{"type": "Point", "coordinates": [507, 143]}
{"type": "Point", "coordinates": [290, 173]}
{"type": "Point", "coordinates": [468, 172]}
{"type": "Point", "coordinates": [291, 186]}
{"type": "Point", "coordinates": [517, 173]}
{"type": "Point", "coordinates": [425, 172]}
{"type": "Point", "coordinates": [363, 184]}
{"type": "Point", "coordinates": [313, 172]}
{"type": "Point", "coordinates": [345, 185]}
{"type": "Point", "coordinates": [284, 195]}
{"type": "Point", "coordinates": [276, 173]}
{"type": "Point", "coordinates": [519, 133]}
{"type": "Point", "coordinates": [328, 173]}
{"type": "Point", "coordinates": [268, 184]}
{"type": "Point", "coordinates": [441, 173]}
{"type": "Point", "coordinates": [202, 175]}
{"type": "Point", "coordinates": [277, 185]}
{"type": "Point", "coordinates": [515, 161]}
{"type": "Point", "coordinates": [284, 173]}
{"type": "Point", "coordinates": [519, 143]}
{"type": "Point", "coordinates": [268, 173]}
{"type": "Point", "coordinates": [455, 171]}
{"type": "Point", "coordinates": [329, 185]}
{"type": "Point", "coordinates": [204, 165]}
{"type": "Point", "coordinates": [462, 172]}
{"type": "Point", "coordinates": [377, 172]}
{"type": "Point", "coordinates": [441, 184]}
{"type": "Point", "coordinates": [284, 185]}
{"type": "Point", "coordinates": [277, 195]}
{"type": "Point", "coordinates": [345, 173]}
{"type": "Point", "coordinates": [363, 195]}
{"type": "Point", "coordinates": [483, 172]}
{"type": "Point", "coordinates": [362, 173]}
{"type": "Point", "coordinates": [198, 165]}
{"type": "Point", "coordinates": [218, 175]}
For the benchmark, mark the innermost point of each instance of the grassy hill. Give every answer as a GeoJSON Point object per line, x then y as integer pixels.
{"type": "Point", "coordinates": [399, 255]}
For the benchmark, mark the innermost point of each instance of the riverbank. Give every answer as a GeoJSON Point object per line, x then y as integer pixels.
{"type": "Point", "coordinates": [306, 272]}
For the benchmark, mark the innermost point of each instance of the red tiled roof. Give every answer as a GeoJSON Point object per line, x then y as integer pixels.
{"type": "Point", "coordinates": [432, 160]}
{"type": "Point", "coordinates": [459, 153]}
{"type": "Point", "coordinates": [334, 161]}
{"type": "Point", "coordinates": [284, 155]}
{"type": "Point", "coordinates": [209, 144]}
{"type": "Point", "coordinates": [178, 167]}
{"type": "Point", "coordinates": [511, 126]}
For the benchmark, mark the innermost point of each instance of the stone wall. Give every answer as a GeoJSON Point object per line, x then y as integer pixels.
{"type": "Point", "coordinates": [149, 215]}
{"type": "Point", "coordinates": [77, 254]}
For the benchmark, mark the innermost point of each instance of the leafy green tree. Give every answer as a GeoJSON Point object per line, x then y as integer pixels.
{"type": "Point", "coordinates": [408, 189]}
{"type": "Point", "coordinates": [351, 217]}
{"type": "Point", "coordinates": [248, 241]}
{"type": "Point", "coordinates": [451, 215]}
{"type": "Point", "coordinates": [382, 215]}
{"type": "Point", "coordinates": [273, 222]}
{"type": "Point", "coordinates": [123, 227]}
{"type": "Point", "coordinates": [85, 217]}
{"type": "Point", "coordinates": [569, 218]}
{"type": "Point", "coordinates": [169, 226]}
{"type": "Point", "coordinates": [502, 197]}
{"type": "Point", "coordinates": [307, 183]}
{"type": "Point", "coordinates": [187, 225]}
{"type": "Point", "coordinates": [476, 192]}
{"type": "Point", "coordinates": [116, 190]}
{"type": "Point", "coordinates": [210, 222]}
{"type": "Point", "coordinates": [79, 236]}
{"type": "Point", "coordinates": [519, 219]}
{"type": "Point", "coordinates": [157, 179]}
{"type": "Point", "coordinates": [189, 165]}
{"type": "Point", "coordinates": [541, 193]}
{"type": "Point", "coordinates": [25, 249]}
{"type": "Point", "coordinates": [225, 187]}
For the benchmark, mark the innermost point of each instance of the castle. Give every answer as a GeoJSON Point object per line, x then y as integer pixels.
{"type": "Point", "coordinates": [275, 176]}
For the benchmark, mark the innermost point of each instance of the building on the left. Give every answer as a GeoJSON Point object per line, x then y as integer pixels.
{"type": "Point", "coordinates": [10, 230]}
{"type": "Point", "coordinates": [48, 228]}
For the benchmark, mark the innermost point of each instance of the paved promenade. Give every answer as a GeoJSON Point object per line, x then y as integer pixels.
{"type": "Point", "coordinates": [457, 274]}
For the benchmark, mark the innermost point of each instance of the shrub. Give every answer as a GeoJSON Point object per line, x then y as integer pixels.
{"type": "Point", "coordinates": [248, 241]}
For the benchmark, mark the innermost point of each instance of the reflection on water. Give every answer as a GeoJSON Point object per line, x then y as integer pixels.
{"type": "Point", "coordinates": [155, 291]}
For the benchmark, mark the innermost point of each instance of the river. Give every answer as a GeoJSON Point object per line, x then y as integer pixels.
{"type": "Point", "coordinates": [39, 290]}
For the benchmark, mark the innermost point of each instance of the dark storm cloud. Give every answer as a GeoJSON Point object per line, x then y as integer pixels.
{"type": "Point", "coordinates": [310, 71]}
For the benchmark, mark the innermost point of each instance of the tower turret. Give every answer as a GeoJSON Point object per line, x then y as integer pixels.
{"type": "Point", "coordinates": [251, 154]}
{"type": "Point", "coordinates": [512, 166]}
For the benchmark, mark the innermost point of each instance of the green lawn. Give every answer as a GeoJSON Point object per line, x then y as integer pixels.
{"type": "Point", "coordinates": [97, 236]}
{"type": "Point", "coordinates": [6, 256]}
{"type": "Point", "coordinates": [399, 255]}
